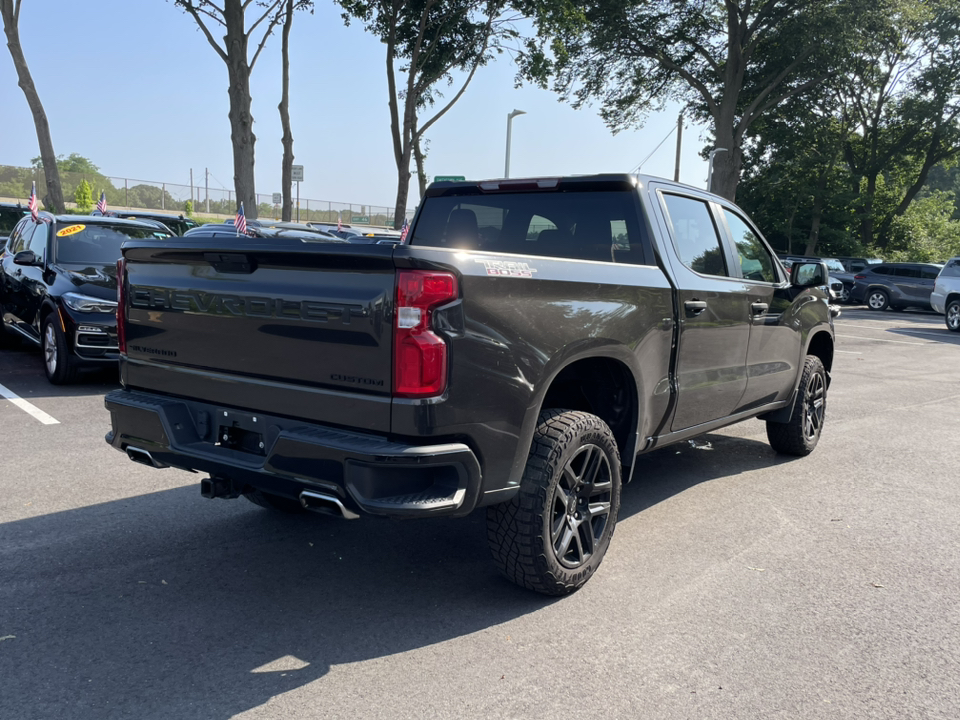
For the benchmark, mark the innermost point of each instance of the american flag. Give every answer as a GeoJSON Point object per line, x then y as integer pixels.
{"type": "Point", "coordinates": [403, 231]}
{"type": "Point", "coordinates": [33, 203]}
{"type": "Point", "coordinates": [241, 222]}
{"type": "Point", "coordinates": [102, 203]}
{"type": "Point", "coordinates": [339, 223]}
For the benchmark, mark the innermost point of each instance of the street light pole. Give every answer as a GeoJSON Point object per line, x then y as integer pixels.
{"type": "Point", "coordinates": [510, 117]}
{"type": "Point", "coordinates": [710, 168]}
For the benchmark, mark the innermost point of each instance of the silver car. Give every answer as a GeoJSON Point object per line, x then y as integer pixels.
{"type": "Point", "coordinates": [945, 297]}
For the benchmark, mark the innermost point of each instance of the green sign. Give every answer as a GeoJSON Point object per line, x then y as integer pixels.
{"type": "Point", "coordinates": [449, 178]}
{"type": "Point", "coordinates": [360, 219]}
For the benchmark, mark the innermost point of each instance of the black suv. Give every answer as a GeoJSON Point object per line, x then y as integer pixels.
{"type": "Point", "coordinates": [58, 287]}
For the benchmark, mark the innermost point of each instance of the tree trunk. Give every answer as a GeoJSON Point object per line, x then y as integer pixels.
{"type": "Point", "coordinates": [53, 198]}
{"type": "Point", "coordinates": [420, 158]}
{"type": "Point", "coordinates": [817, 212]}
{"type": "Point", "coordinates": [241, 119]}
{"type": "Point", "coordinates": [287, 139]}
{"type": "Point", "coordinates": [866, 219]}
{"type": "Point", "coordinates": [726, 165]}
{"type": "Point", "coordinates": [403, 189]}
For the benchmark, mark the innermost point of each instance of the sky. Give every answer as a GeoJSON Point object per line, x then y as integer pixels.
{"type": "Point", "coordinates": [134, 86]}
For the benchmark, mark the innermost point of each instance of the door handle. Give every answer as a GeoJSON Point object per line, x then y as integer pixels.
{"type": "Point", "coordinates": [694, 307]}
{"type": "Point", "coordinates": [759, 308]}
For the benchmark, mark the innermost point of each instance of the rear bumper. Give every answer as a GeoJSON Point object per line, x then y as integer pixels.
{"type": "Point", "coordinates": [367, 473]}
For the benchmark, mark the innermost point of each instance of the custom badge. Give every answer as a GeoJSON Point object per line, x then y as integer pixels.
{"type": "Point", "coordinates": [71, 230]}
{"type": "Point", "coordinates": [506, 268]}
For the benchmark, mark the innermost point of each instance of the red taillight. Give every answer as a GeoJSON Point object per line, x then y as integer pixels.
{"type": "Point", "coordinates": [859, 277]}
{"type": "Point", "coordinates": [121, 307]}
{"type": "Point", "coordinates": [420, 356]}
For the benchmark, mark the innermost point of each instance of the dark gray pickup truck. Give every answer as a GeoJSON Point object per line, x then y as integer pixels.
{"type": "Point", "coordinates": [521, 350]}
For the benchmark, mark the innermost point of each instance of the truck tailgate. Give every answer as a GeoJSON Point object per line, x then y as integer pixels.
{"type": "Point", "coordinates": [281, 326]}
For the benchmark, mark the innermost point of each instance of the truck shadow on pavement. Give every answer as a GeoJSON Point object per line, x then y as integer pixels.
{"type": "Point", "coordinates": [166, 605]}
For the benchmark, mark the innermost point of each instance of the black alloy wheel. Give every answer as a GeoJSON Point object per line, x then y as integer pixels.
{"type": "Point", "coordinates": [552, 536]}
{"type": "Point", "coordinates": [801, 433]}
{"type": "Point", "coordinates": [581, 506]}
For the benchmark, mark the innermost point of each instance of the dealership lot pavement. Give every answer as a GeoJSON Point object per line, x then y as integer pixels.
{"type": "Point", "coordinates": [740, 584]}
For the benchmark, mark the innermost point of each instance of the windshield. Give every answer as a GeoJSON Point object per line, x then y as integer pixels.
{"type": "Point", "coordinates": [833, 265]}
{"type": "Point", "coordinates": [9, 217]}
{"type": "Point", "coordinates": [98, 244]}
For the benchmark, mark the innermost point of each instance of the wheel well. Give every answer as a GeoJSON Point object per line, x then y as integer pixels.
{"type": "Point", "coordinates": [950, 298]}
{"type": "Point", "coordinates": [604, 387]}
{"type": "Point", "coordinates": [821, 345]}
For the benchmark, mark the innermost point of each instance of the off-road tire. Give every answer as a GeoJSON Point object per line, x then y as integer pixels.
{"type": "Point", "coordinates": [800, 435]}
{"type": "Point", "coordinates": [877, 300]}
{"type": "Point", "coordinates": [524, 533]}
{"type": "Point", "coordinates": [952, 316]}
{"type": "Point", "coordinates": [275, 502]}
{"type": "Point", "coordinates": [60, 367]}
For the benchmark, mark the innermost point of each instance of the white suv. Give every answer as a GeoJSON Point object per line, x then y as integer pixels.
{"type": "Point", "coordinates": [946, 294]}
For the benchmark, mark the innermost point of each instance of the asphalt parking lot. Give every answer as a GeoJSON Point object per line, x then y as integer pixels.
{"type": "Point", "coordinates": [740, 583]}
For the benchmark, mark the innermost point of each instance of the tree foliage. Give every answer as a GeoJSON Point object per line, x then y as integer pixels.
{"type": "Point", "coordinates": [83, 196]}
{"type": "Point", "coordinates": [731, 61]}
{"type": "Point", "coordinates": [427, 43]}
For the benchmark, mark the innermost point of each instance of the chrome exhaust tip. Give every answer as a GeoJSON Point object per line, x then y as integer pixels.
{"type": "Point", "coordinates": [139, 455]}
{"type": "Point", "coordinates": [326, 504]}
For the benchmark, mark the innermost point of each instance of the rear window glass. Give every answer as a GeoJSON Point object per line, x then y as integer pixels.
{"type": "Point", "coordinates": [83, 243]}
{"type": "Point", "coordinates": [909, 272]}
{"type": "Point", "coordinates": [929, 273]}
{"type": "Point", "coordinates": [951, 269]}
{"type": "Point", "coordinates": [601, 226]}
{"type": "Point", "coordinates": [882, 270]}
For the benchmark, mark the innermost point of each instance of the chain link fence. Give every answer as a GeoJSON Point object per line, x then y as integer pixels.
{"type": "Point", "coordinates": [215, 203]}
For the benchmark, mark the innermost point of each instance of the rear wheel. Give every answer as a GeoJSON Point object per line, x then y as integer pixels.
{"type": "Point", "coordinates": [274, 502]}
{"type": "Point", "coordinates": [801, 433]}
{"type": "Point", "coordinates": [878, 300]}
{"type": "Point", "coordinates": [953, 316]}
{"type": "Point", "coordinates": [58, 364]}
{"type": "Point", "coordinates": [554, 533]}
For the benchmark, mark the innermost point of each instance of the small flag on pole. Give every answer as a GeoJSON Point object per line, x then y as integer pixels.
{"type": "Point", "coordinates": [241, 222]}
{"type": "Point", "coordinates": [403, 231]}
{"type": "Point", "coordinates": [339, 223]}
{"type": "Point", "coordinates": [102, 203]}
{"type": "Point", "coordinates": [33, 203]}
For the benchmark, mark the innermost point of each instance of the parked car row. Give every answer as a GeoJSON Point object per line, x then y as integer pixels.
{"type": "Point", "coordinates": [58, 287]}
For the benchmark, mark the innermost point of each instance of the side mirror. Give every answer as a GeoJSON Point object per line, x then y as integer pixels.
{"type": "Point", "coordinates": [808, 274]}
{"type": "Point", "coordinates": [25, 257]}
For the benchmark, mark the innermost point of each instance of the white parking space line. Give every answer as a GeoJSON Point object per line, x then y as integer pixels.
{"type": "Point", "coordinates": [848, 352]}
{"type": "Point", "coordinates": [898, 342]}
{"type": "Point", "coordinates": [27, 407]}
{"type": "Point", "coordinates": [874, 327]}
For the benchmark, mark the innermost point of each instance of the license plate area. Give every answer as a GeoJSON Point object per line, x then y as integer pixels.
{"type": "Point", "coordinates": [240, 431]}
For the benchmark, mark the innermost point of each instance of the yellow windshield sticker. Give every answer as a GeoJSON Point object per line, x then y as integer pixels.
{"type": "Point", "coordinates": [72, 230]}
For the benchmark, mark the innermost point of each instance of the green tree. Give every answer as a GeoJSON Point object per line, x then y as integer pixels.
{"type": "Point", "coordinates": [430, 40]}
{"type": "Point", "coordinates": [926, 232]}
{"type": "Point", "coordinates": [84, 196]}
{"type": "Point", "coordinates": [188, 208]}
{"type": "Point", "coordinates": [731, 61]}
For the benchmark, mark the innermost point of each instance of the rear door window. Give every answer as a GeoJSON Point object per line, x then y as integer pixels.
{"type": "Point", "coordinates": [929, 273]}
{"type": "Point", "coordinates": [695, 235]}
{"type": "Point", "coordinates": [601, 226]}
{"type": "Point", "coordinates": [910, 271]}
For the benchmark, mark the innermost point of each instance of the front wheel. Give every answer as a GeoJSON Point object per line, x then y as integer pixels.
{"type": "Point", "coordinates": [953, 316]}
{"type": "Point", "coordinates": [552, 536]}
{"type": "Point", "coordinates": [58, 364]}
{"type": "Point", "coordinates": [877, 300]}
{"type": "Point", "coordinates": [844, 295]}
{"type": "Point", "coordinates": [801, 433]}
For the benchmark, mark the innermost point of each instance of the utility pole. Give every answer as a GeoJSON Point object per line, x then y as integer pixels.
{"type": "Point", "coordinates": [206, 187]}
{"type": "Point", "coordinates": [676, 169]}
{"type": "Point", "coordinates": [191, 186]}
